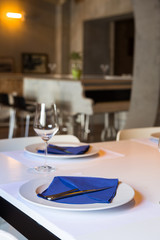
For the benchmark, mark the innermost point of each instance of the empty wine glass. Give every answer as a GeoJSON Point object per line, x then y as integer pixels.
{"type": "Point", "coordinates": [104, 68]}
{"type": "Point", "coordinates": [46, 126]}
{"type": "Point", "coordinates": [52, 67]}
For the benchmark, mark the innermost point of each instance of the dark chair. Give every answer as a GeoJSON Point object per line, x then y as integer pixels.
{"type": "Point", "coordinates": [21, 103]}
{"type": "Point", "coordinates": [4, 99]}
{"type": "Point", "coordinates": [7, 114]}
{"type": "Point", "coordinates": [24, 111]}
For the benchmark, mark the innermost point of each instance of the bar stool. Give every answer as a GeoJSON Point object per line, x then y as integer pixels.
{"type": "Point", "coordinates": [109, 109]}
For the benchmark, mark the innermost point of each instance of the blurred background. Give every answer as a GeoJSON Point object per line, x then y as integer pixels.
{"type": "Point", "coordinates": [114, 43]}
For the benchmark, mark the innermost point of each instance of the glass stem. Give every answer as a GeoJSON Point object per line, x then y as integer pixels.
{"type": "Point", "coordinates": [46, 152]}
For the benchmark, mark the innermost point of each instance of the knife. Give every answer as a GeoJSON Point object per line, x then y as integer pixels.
{"type": "Point", "coordinates": [70, 193]}
{"type": "Point", "coordinates": [59, 148]}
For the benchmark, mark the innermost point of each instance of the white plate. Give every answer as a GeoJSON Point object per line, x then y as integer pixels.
{"type": "Point", "coordinates": [29, 191]}
{"type": "Point", "coordinates": [32, 149]}
{"type": "Point", "coordinates": [156, 135]}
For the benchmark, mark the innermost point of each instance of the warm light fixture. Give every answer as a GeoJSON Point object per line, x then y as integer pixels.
{"type": "Point", "coordinates": [14, 15]}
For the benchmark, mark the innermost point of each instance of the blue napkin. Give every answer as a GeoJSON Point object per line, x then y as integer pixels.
{"type": "Point", "coordinates": [71, 150]}
{"type": "Point", "coordinates": [65, 183]}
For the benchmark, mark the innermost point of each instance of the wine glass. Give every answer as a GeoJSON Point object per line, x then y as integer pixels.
{"type": "Point", "coordinates": [46, 126]}
{"type": "Point", "coordinates": [104, 68]}
{"type": "Point", "coordinates": [52, 67]}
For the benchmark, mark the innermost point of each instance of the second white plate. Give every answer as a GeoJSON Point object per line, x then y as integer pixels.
{"type": "Point", "coordinates": [32, 149]}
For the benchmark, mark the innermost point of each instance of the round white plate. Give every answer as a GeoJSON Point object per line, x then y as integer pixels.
{"type": "Point", "coordinates": [32, 149]}
{"type": "Point", "coordinates": [29, 191]}
{"type": "Point", "coordinates": [156, 135]}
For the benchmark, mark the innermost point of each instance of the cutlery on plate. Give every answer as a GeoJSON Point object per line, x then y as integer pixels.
{"type": "Point", "coordinates": [70, 193]}
{"type": "Point", "coordinates": [59, 148]}
{"type": "Point", "coordinates": [59, 194]}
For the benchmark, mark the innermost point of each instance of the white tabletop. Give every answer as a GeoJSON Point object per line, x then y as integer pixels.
{"type": "Point", "coordinates": [136, 163]}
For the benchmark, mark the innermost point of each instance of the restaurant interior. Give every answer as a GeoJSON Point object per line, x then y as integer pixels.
{"type": "Point", "coordinates": [103, 37]}
{"type": "Point", "coordinates": [98, 61]}
{"type": "Point", "coordinates": [110, 41]}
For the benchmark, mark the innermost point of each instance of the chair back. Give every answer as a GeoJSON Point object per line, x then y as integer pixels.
{"type": "Point", "coordinates": [4, 99]}
{"type": "Point", "coordinates": [139, 133]}
{"type": "Point", "coordinates": [8, 119]}
{"type": "Point", "coordinates": [12, 123]}
{"type": "Point", "coordinates": [19, 102]}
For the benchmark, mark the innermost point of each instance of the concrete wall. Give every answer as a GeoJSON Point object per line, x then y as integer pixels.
{"type": "Point", "coordinates": [146, 77]}
{"type": "Point", "coordinates": [87, 10]}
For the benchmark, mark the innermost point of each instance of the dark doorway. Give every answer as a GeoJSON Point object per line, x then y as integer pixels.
{"type": "Point", "coordinates": [109, 41]}
{"type": "Point", "coordinates": [96, 46]}
{"type": "Point", "coordinates": [124, 47]}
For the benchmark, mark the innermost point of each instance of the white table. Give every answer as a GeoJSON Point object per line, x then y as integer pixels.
{"type": "Point", "coordinates": [134, 162]}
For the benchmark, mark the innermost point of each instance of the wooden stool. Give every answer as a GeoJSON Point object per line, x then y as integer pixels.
{"type": "Point", "coordinates": [109, 109]}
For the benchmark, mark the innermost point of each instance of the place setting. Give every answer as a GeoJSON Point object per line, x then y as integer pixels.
{"type": "Point", "coordinates": [76, 193]}
{"type": "Point", "coordinates": [62, 150]}
{"type": "Point", "coordinates": [46, 126]}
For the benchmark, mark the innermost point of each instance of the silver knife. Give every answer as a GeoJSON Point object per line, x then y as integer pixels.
{"type": "Point", "coordinates": [59, 148]}
{"type": "Point", "coordinates": [70, 193]}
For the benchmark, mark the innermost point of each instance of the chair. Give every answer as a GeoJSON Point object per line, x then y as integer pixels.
{"type": "Point", "coordinates": [7, 119]}
{"type": "Point", "coordinates": [21, 103]}
{"type": "Point", "coordinates": [146, 132]}
{"type": "Point", "coordinates": [4, 99]}
{"type": "Point", "coordinates": [24, 111]}
{"type": "Point", "coordinates": [20, 143]}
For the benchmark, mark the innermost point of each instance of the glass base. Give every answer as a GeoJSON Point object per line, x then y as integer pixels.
{"type": "Point", "coordinates": [44, 169]}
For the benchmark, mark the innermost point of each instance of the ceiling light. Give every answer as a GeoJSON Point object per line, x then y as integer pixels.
{"type": "Point", "coordinates": [14, 15]}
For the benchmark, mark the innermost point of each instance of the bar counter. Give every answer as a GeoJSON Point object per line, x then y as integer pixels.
{"type": "Point", "coordinates": [10, 82]}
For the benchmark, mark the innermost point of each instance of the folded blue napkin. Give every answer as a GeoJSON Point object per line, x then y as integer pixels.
{"type": "Point", "coordinates": [69, 150]}
{"type": "Point", "coordinates": [65, 183]}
